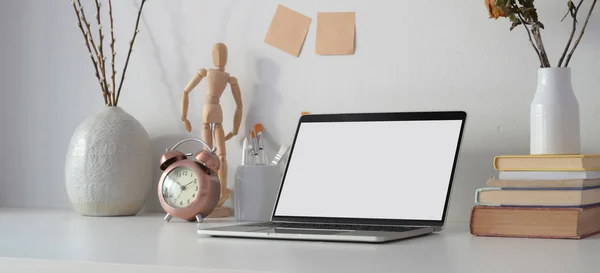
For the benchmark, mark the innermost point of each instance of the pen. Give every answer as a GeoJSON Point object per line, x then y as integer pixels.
{"type": "Point", "coordinates": [262, 156]}
{"type": "Point", "coordinates": [245, 152]}
{"type": "Point", "coordinates": [280, 154]}
{"type": "Point", "coordinates": [254, 148]}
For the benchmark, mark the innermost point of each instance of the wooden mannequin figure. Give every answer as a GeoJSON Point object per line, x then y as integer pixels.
{"type": "Point", "coordinates": [212, 114]}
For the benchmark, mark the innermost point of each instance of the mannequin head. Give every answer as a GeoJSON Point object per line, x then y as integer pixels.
{"type": "Point", "coordinates": [219, 54]}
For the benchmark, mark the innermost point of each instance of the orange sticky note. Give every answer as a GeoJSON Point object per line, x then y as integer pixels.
{"type": "Point", "coordinates": [288, 30]}
{"type": "Point", "coordinates": [335, 33]}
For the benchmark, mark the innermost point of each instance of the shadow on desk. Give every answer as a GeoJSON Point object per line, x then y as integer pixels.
{"type": "Point", "coordinates": [323, 256]}
{"type": "Point", "coordinates": [316, 243]}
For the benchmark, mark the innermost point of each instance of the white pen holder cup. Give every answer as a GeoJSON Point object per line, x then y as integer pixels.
{"type": "Point", "coordinates": [256, 189]}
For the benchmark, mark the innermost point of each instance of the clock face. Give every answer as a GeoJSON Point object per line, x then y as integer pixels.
{"type": "Point", "coordinates": [180, 187]}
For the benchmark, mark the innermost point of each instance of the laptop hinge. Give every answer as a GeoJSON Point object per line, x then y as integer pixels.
{"type": "Point", "coordinates": [350, 224]}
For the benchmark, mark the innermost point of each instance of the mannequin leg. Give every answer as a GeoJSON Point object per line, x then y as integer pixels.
{"type": "Point", "coordinates": [222, 154]}
{"type": "Point", "coordinates": [207, 135]}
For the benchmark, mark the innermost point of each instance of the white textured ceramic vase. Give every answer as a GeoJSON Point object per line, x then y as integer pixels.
{"type": "Point", "coordinates": [554, 117]}
{"type": "Point", "coordinates": [109, 165]}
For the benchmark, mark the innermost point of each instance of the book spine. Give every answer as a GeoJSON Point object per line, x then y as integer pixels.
{"type": "Point", "coordinates": [485, 234]}
{"type": "Point", "coordinates": [478, 191]}
{"type": "Point", "coordinates": [475, 232]}
{"type": "Point", "coordinates": [546, 206]}
{"type": "Point", "coordinates": [547, 169]}
{"type": "Point", "coordinates": [550, 189]}
{"type": "Point", "coordinates": [496, 162]}
{"type": "Point", "coordinates": [582, 168]}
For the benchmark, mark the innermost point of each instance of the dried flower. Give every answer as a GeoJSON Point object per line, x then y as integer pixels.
{"type": "Point", "coordinates": [523, 13]}
{"type": "Point", "coordinates": [494, 11]}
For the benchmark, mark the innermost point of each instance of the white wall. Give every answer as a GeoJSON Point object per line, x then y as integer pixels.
{"type": "Point", "coordinates": [426, 55]}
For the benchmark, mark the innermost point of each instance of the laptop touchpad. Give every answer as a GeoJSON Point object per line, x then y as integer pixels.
{"type": "Point", "coordinates": [300, 231]}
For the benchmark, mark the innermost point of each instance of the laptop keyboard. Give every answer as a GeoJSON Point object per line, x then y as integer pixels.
{"type": "Point", "coordinates": [333, 226]}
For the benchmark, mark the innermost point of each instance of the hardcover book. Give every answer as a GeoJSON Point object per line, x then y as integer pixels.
{"type": "Point", "coordinates": [548, 175]}
{"type": "Point", "coordinates": [547, 162]}
{"type": "Point", "coordinates": [571, 223]}
{"type": "Point", "coordinates": [564, 183]}
{"type": "Point", "coordinates": [539, 197]}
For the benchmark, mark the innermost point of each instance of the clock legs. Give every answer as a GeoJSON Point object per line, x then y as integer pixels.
{"type": "Point", "coordinates": [199, 218]}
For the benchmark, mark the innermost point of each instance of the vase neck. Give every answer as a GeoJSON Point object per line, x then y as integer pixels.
{"type": "Point", "coordinates": [554, 78]}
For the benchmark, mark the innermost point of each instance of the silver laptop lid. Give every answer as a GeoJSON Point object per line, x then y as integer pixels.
{"type": "Point", "coordinates": [376, 168]}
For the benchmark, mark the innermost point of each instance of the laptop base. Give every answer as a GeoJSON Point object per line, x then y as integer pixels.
{"type": "Point", "coordinates": [242, 231]}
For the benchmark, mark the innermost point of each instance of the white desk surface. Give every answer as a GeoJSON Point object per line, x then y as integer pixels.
{"type": "Point", "coordinates": [63, 241]}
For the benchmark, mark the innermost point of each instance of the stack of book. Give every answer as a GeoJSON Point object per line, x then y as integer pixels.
{"type": "Point", "coordinates": [549, 196]}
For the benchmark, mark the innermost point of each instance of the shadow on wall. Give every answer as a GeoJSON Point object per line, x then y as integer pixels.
{"type": "Point", "coordinates": [473, 170]}
{"type": "Point", "coordinates": [475, 167]}
{"type": "Point", "coordinates": [159, 145]}
{"type": "Point", "coordinates": [265, 100]}
{"type": "Point", "coordinates": [157, 51]}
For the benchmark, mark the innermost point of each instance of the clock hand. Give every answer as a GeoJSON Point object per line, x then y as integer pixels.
{"type": "Point", "coordinates": [189, 183]}
{"type": "Point", "coordinates": [180, 186]}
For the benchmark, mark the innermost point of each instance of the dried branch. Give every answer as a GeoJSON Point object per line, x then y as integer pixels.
{"type": "Point", "coordinates": [112, 48]}
{"type": "Point", "coordinates": [87, 43]}
{"type": "Point", "coordinates": [581, 33]}
{"type": "Point", "coordinates": [101, 59]}
{"type": "Point", "coordinates": [573, 11]}
{"type": "Point", "coordinates": [567, 14]}
{"type": "Point", "coordinates": [530, 39]}
{"type": "Point", "coordinates": [537, 35]}
{"type": "Point", "coordinates": [135, 32]}
{"type": "Point", "coordinates": [87, 25]}
{"type": "Point", "coordinates": [91, 39]}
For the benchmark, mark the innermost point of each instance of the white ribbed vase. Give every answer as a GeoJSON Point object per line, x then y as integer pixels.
{"type": "Point", "coordinates": [108, 167]}
{"type": "Point", "coordinates": [554, 116]}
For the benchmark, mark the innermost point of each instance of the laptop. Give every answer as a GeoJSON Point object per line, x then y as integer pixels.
{"type": "Point", "coordinates": [373, 177]}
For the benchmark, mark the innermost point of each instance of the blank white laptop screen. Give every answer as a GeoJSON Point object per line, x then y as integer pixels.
{"type": "Point", "coordinates": [370, 169]}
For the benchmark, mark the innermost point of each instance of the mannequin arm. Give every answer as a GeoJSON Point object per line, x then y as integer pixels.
{"type": "Point", "coordinates": [237, 118]}
{"type": "Point", "coordinates": [185, 97]}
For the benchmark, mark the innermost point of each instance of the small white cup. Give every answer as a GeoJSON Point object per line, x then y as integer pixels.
{"type": "Point", "coordinates": [255, 192]}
